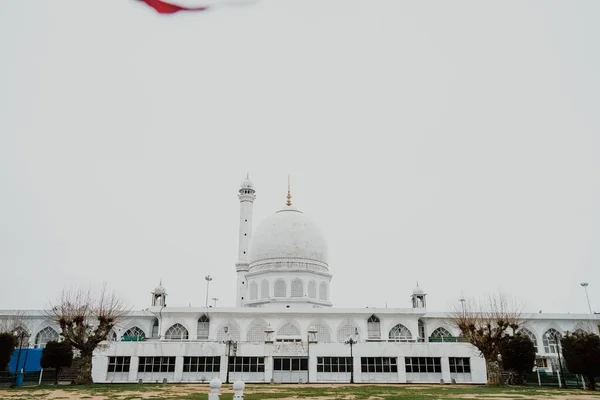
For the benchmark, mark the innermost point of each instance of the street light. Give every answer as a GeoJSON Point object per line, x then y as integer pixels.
{"type": "Point", "coordinates": [585, 285]}
{"type": "Point", "coordinates": [226, 330]}
{"type": "Point", "coordinates": [208, 279]}
{"type": "Point", "coordinates": [351, 342]}
{"type": "Point", "coordinates": [312, 330]}
{"type": "Point", "coordinates": [214, 299]}
{"type": "Point", "coordinates": [556, 337]}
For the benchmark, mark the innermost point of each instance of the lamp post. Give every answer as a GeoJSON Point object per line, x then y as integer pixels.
{"type": "Point", "coordinates": [208, 279]}
{"type": "Point", "coordinates": [312, 331]}
{"type": "Point", "coordinates": [214, 299]}
{"type": "Point", "coordinates": [226, 329]}
{"type": "Point", "coordinates": [558, 351]}
{"type": "Point", "coordinates": [19, 334]}
{"type": "Point", "coordinates": [585, 285]}
{"type": "Point", "coordinates": [351, 342]}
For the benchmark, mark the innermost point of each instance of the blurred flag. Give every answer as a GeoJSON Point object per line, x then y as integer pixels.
{"type": "Point", "coordinates": [164, 7]}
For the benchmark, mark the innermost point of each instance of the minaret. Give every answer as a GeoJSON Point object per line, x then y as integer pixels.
{"type": "Point", "coordinates": [159, 296]}
{"type": "Point", "coordinates": [246, 196]}
{"type": "Point", "coordinates": [418, 298]}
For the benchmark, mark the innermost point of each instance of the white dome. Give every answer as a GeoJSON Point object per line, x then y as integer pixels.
{"type": "Point", "coordinates": [288, 234]}
{"type": "Point", "coordinates": [247, 184]}
{"type": "Point", "coordinates": [418, 291]}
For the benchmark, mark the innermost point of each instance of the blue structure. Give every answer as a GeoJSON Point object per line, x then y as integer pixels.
{"type": "Point", "coordinates": [29, 360]}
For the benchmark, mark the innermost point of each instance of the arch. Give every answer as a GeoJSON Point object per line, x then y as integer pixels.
{"type": "Point", "coordinates": [312, 289]}
{"type": "Point", "coordinates": [256, 332]}
{"type": "Point", "coordinates": [400, 333]}
{"type": "Point", "coordinates": [155, 328]}
{"type": "Point", "coordinates": [297, 288]}
{"type": "Point", "coordinates": [203, 327]}
{"type": "Point", "coordinates": [177, 332]}
{"type": "Point", "coordinates": [280, 289]}
{"type": "Point", "coordinates": [530, 335]}
{"type": "Point", "coordinates": [441, 333]}
{"type": "Point", "coordinates": [22, 332]}
{"type": "Point", "coordinates": [228, 332]}
{"type": "Point", "coordinates": [253, 291]}
{"type": "Point", "coordinates": [347, 331]}
{"type": "Point", "coordinates": [323, 291]}
{"type": "Point", "coordinates": [44, 336]}
{"type": "Point", "coordinates": [551, 339]}
{"type": "Point", "coordinates": [323, 334]}
{"type": "Point", "coordinates": [112, 336]}
{"type": "Point", "coordinates": [264, 289]}
{"type": "Point", "coordinates": [134, 332]}
{"type": "Point", "coordinates": [288, 329]}
{"type": "Point", "coordinates": [373, 328]}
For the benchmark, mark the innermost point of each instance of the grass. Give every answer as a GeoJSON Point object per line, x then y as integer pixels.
{"type": "Point", "coordinates": [329, 392]}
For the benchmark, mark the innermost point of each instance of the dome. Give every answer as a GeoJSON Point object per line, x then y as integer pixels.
{"type": "Point", "coordinates": [288, 234]}
{"type": "Point", "coordinates": [160, 289]}
{"type": "Point", "coordinates": [418, 291]}
{"type": "Point", "coordinates": [247, 184]}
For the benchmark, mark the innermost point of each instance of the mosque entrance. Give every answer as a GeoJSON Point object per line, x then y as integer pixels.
{"type": "Point", "coordinates": [290, 369]}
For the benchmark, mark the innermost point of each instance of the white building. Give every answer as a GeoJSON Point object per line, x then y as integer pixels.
{"type": "Point", "coordinates": [284, 328]}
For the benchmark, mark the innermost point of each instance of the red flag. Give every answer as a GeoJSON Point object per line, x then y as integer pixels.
{"type": "Point", "coordinates": [167, 8]}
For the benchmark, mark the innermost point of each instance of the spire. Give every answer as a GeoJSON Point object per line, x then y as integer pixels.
{"type": "Point", "coordinates": [289, 194]}
{"type": "Point", "coordinates": [247, 175]}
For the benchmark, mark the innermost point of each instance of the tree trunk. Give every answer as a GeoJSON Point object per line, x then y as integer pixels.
{"type": "Point", "coordinates": [56, 373]}
{"type": "Point", "coordinates": [84, 376]}
{"type": "Point", "coordinates": [494, 377]}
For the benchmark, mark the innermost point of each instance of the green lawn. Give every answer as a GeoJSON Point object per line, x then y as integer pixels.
{"type": "Point", "coordinates": [319, 392]}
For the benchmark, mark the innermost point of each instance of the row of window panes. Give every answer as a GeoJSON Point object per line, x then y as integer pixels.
{"type": "Point", "coordinates": [119, 364]}
{"type": "Point", "coordinates": [423, 364]}
{"type": "Point", "coordinates": [460, 365]}
{"type": "Point", "coordinates": [290, 364]}
{"type": "Point", "coordinates": [378, 364]}
{"type": "Point", "coordinates": [246, 364]}
{"type": "Point", "coordinates": [334, 364]}
{"type": "Point", "coordinates": [156, 364]}
{"type": "Point", "coordinates": [201, 364]}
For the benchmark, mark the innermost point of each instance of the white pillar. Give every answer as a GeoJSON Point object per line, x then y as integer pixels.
{"type": "Point", "coordinates": [215, 389]}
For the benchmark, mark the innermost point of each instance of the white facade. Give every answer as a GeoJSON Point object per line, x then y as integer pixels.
{"type": "Point", "coordinates": [284, 328]}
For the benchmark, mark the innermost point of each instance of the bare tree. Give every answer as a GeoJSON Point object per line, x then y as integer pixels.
{"type": "Point", "coordinates": [85, 321]}
{"type": "Point", "coordinates": [487, 325]}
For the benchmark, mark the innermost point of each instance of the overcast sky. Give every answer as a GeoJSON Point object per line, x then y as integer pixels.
{"type": "Point", "coordinates": [453, 143]}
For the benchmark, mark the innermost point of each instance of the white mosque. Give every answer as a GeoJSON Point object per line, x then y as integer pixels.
{"type": "Point", "coordinates": [284, 328]}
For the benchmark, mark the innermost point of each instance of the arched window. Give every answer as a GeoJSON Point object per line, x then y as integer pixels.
{"type": "Point", "coordinates": [253, 291]}
{"type": "Point", "coordinates": [323, 334]}
{"type": "Point", "coordinates": [288, 330]}
{"type": "Point", "coordinates": [44, 336]}
{"type": "Point", "coordinates": [203, 327]}
{"type": "Point", "coordinates": [400, 333]}
{"type": "Point", "coordinates": [280, 290]}
{"type": "Point", "coordinates": [323, 291]}
{"type": "Point", "coordinates": [21, 332]}
{"type": "Point", "coordinates": [264, 289]}
{"type": "Point", "coordinates": [228, 332]}
{"type": "Point", "coordinates": [441, 335]}
{"type": "Point", "coordinates": [347, 331]}
{"type": "Point", "coordinates": [112, 336]}
{"type": "Point", "coordinates": [312, 289]}
{"type": "Point", "coordinates": [155, 328]}
{"type": "Point", "coordinates": [551, 339]}
{"type": "Point", "coordinates": [297, 288]}
{"type": "Point", "coordinates": [373, 328]}
{"type": "Point", "coordinates": [176, 332]}
{"type": "Point", "coordinates": [256, 333]}
{"type": "Point", "coordinates": [530, 335]}
{"type": "Point", "coordinates": [134, 332]}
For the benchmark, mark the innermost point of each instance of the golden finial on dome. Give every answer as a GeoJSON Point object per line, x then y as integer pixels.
{"type": "Point", "coordinates": [289, 194]}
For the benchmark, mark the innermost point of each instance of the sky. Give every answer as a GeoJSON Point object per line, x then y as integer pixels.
{"type": "Point", "coordinates": [451, 143]}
